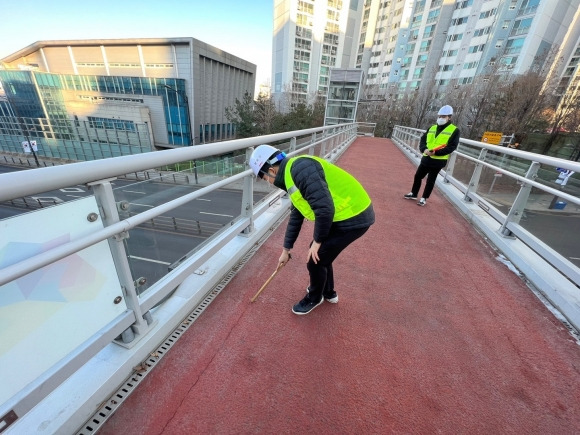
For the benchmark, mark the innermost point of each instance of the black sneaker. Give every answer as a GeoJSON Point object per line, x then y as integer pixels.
{"type": "Point", "coordinates": [422, 202]}
{"type": "Point", "coordinates": [305, 306]}
{"type": "Point", "coordinates": [331, 297]}
{"type": "Point", "coordinates": [410, 196]}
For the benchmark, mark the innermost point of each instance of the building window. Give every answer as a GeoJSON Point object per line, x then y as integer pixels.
{"type": "Point", "coordinates": [455, 37]}
{"type": "Point", "coordinates": [111, 124]}
{"type": "Point", "coordinates": [482, 31]}
{"type": "Point", "coordinates": [488, 14]}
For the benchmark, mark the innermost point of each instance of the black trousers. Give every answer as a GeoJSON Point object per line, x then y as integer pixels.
{"type": "Point", "coordinates": [321, 273]}
{"type": "Point", "coordinates": [431, 173]}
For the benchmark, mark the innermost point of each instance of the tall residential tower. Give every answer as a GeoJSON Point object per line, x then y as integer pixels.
{"type": "Point", "coordinates": [310, 38]}
{"type": "Point", "coordinates": [402, 45]}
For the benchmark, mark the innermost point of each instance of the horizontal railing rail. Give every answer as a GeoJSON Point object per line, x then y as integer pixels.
{"type": "Point", "coordinates": [18, 184]}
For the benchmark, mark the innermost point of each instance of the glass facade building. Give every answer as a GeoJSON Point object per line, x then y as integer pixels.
{"type": "Point", "coordinates": [83, 100]}
{"type": "Point", "coordinates": [36, 99]}
{"type": "Point", "coordinates": [343, 96]}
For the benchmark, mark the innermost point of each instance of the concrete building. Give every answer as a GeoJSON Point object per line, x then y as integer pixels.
{"type": "Point", "coordinates": [383, 39]}
{"type": "Point", "coordinates": [447, 42]}
{"type": "Point", "coordinates": [310, 38]}
{"type": "Point", "coordinates": [87, 99]}
{"type": "Point", "coordinates": [567, 72]}
{"type": "Point", "coordinates": [403, 45]}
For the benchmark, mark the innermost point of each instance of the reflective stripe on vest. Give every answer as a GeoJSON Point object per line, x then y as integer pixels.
{"type": "Point", "coordinates": [441, 139]}
{"type": "Point", "coordinates": [348, 195]}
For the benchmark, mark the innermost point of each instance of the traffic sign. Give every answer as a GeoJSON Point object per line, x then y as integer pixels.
{"type": "Point", "coordinates": [26, 146]}
{"type": "Point", "coordinates": [492, 137]}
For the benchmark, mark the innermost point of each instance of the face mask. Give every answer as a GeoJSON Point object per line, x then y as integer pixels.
{"type": "Point", "coordinates": [441, 121]}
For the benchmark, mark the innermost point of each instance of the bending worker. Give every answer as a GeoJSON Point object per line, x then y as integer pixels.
{"type": "Point", "coordinates": [331, 197]}
{"type": "Point", "coordinates": [436, 145]}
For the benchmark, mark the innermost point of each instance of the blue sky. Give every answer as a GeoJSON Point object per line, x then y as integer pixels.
{"type": "Point", "coordinates": [240, 27]}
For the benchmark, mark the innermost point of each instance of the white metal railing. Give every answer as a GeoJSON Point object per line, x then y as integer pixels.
{"type": "Point", "coordinates": [527, 194]}
{"type": "Point", "coordinates": [100, 227]}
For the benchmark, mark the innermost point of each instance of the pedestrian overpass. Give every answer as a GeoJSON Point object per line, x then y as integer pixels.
{"type": "Point", "coordinates": [457, 317]}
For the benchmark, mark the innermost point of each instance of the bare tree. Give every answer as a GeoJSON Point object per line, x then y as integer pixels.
{"type": "Point", "coordinates": [571, 103]}
{"type": "Point", "coordinates": [519, 104]}
{"type": "Point", "coordinates": [404, 108]}
{"type": "Point", "coordinates": [424, 99]}
{"type": "Point", "coordinates": [318, 110]}
{"type": "Point", "coordinates": [565, 115]}
{"type": "Point", "coordinates": [265, 113]}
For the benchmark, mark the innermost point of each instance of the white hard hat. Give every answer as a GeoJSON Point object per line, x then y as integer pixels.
{"type": "Point", "coordinates": [261, 156]}
{"type": "Point", "coordinates": [446, 111]}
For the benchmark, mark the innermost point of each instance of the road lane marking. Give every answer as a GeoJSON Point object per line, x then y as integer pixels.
{"type": "Point", "coordinates": [142, 205]}
{"type": "Point", "coordinates": [150, 260]}
{"type": "Point", "coordinates": [203, 199]}
{"type": "Point", "coordinates": [216, 214]}
{"type": "Point", "coordinates": [75, 196]}
{"type": "Point", "coordinates": [134, 191]}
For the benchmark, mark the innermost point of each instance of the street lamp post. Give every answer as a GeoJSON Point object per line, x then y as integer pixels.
{"type": "Point", "coordinates": [23, 129]}
{"type": "Point", "coordinates": [186, 102]}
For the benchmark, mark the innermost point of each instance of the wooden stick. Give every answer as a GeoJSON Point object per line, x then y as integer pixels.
{"type": "Point", "coordinates": [269, 279]}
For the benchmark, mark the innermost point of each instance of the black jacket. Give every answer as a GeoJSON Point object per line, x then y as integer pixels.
{"type": "Point", "coordinates": [451, 146]}
{"type": "Point", "coordinates": [309, 178]}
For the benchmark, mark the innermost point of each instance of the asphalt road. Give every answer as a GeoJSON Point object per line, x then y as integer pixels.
{"type": "Point", "coordinates": [559, 230]}
{"type": "Point", "coordinates": [155, 245]}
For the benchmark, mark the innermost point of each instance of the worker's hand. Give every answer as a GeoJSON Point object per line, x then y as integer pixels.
{"type": "Point", "coordinates": [284, 257]}
{"type": "Point", "coordinates": [313, 252]}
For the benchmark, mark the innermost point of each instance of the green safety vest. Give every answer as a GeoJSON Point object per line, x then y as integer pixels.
{"type": "Point", "coordinates": [440, 140]}
{"type": "Point", "coordinates": [348, 196]}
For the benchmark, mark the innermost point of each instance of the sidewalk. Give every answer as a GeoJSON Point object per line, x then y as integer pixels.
{"type": "Point", "coordinates": [537, 202]}
{"type": "Point", "coordinates": [432, 334]}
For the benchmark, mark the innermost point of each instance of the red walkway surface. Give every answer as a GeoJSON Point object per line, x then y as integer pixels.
{"type": "Point", "coordinates": [431, 335]}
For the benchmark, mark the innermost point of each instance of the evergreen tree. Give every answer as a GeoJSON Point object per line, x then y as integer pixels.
{"type": "Point", "coordinates": [243, 114]}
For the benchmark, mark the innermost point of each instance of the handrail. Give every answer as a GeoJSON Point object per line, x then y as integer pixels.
{"type": "Point", "coordinates": [23, 183]}
{"type": "Point", "coordinates": [408, 139]}
{"type": "Point", "coordinates": [552, 161]}
{"type": "Point", "coordinates": [15, 271]}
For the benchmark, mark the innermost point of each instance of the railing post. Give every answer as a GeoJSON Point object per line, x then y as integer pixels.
{"type": "Point", "coordinates": [474, 182]}
{"type": "Point", "coordinates": [248, 195]}
{"type": "Point", "coordinates": [292, 144]}
{"type": "Point", "coordinates": [310, 150]}
{"type": "Point", "coordinates": [450, 167]}
{"type": "Point", "coordinates": [322, 145]}
{"type": "Point", "coordinates": [105, 198]}
{"type": "Point", "coordinates": [517, 209]}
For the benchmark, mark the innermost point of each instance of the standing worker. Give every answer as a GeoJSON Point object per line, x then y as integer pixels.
{"type": "Point", "coordinates": [320, 191]}
{"type": "Point", "coordinates": [436, 145]}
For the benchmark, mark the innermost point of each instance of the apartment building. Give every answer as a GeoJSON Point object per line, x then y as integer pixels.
{"type": "Point", "coordinates": [311, 37]}
{"type": "Point", "coordinates": [402, 45]}
{"type": "Point", "coordinates": [87, 99]}
{"type": "Point", "coordinates": [567, 71]}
